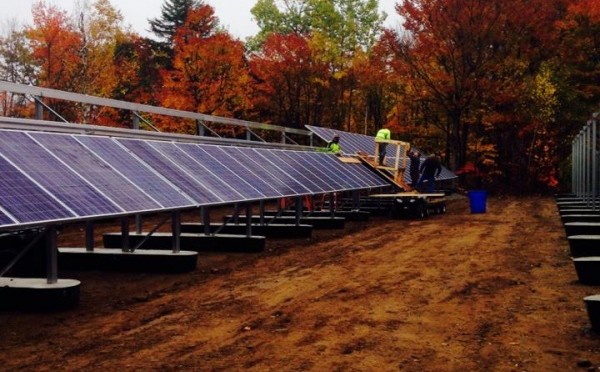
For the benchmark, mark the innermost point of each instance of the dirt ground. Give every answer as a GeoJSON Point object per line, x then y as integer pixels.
{"type": "Point", "coordinates": [486, 292]}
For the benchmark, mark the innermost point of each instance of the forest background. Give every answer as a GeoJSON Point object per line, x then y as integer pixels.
{"type": "Point", "coordinates": [495, 86]}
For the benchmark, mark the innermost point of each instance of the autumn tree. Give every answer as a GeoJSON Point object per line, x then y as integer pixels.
{"type": "Point", "coordinates": [468, 59]}
{"type": "Point", "coordinates": [55, 45]}
{"type": "Point", "coordinates": [16, 66]}
{"type": "Point", "coordinates": [336, 31]}
{"type": "Point", "coordinates": [209, 72]}
{"type": "Point", "coordinates": [288, 81]}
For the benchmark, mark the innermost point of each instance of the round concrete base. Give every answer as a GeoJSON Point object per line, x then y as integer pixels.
{"type": "Point", "coordinates": [35, 294]}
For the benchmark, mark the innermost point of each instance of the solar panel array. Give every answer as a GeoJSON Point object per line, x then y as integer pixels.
{"type": "Point", "coordinates": [52, 177]}
{"type": "Point", "coordinates": [353, 143]}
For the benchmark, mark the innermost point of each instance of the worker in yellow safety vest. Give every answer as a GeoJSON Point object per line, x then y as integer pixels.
{"type": "Point", "coordinates": [382, 134]}
{"type": "Point", "coordinates": [333, 146]}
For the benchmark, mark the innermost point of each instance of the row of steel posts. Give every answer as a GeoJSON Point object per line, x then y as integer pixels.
{"type": "Point", "coordinates": [585, 176]}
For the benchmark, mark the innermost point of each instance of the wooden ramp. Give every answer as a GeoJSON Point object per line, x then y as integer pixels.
{"type": "Point", "coordinates": [394, 175]}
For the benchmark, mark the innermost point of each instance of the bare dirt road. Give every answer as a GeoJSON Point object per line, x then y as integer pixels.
{"type": "Point", "coordinates": [487, 292]}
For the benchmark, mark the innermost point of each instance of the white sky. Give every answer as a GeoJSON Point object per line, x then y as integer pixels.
{"type": "Point", "coordinates": [233, 14]}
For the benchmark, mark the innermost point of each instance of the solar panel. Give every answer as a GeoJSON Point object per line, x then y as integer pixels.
{"type": "Point", "coordinates": [268, 172]}
{"type": "Point", "coordinates": [227, 175]}
{"type": "Point", "coordinates": [66, 177]}
{"type": "Point", "coordinates": [93, 169]}
{"type": "Point", "coordinates": [309, 180]}
{"type": "Point", "coordinates": [171, 171]}
{"type": "Point", "coordinates": [165, 193]}
{"type": "Point", "coordinates": [356, 175]}
{"type": "Point", "coordinates": [5, 220]}
{"type": "Point", "coordinates": [54, 176]}
{"type": "Point", "coordinates": [297, 159]}
{"type": "Point", "coordinates": [336, 169]}
{"type": "Point", "coordinates": [353, 144]}
{"type": "Point", "coordinates": [237, 166]}
{"type": "Point", "coordinates": [195, 169]}
{"type": "Point", "coordinates": [25, 200]}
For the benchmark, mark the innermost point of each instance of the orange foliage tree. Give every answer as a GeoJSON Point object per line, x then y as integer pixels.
{"type": "Point", "coordinates": [289, 81]}
{"type": "Point", "coordinates": [473, 64]}
{"type": "Point", "coordinates": [209, 74]}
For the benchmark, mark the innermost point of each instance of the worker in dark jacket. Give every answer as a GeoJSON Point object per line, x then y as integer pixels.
{"type": "Point", "coordinates": [415, 162]}
{"type": "Point", "coordinates": [430, 169]}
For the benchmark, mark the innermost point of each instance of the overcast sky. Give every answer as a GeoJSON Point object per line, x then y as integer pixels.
{"type": "Point", "coordinates": [233, 14]}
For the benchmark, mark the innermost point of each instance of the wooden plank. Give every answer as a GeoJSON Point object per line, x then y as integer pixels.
{"type": "Point", "coordinates": [389, 174]}
{"type": "Point", "coordinates": [348, 160]}
{"type": "Point", "coordinates": [408, 194]}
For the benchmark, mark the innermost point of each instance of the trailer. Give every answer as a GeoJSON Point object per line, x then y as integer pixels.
{"type": "Point", "coordinates": [414, 205]}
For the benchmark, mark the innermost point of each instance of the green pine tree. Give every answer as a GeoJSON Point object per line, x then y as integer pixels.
{"type": "Point", "coordinates": [173, 14]}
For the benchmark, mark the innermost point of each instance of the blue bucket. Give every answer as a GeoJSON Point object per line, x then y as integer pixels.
{"type": "Point", "coordinates": [477, 201]}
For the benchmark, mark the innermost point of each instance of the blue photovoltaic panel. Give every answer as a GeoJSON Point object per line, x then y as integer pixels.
{"type": "Point", "coordinates": [309, 180]}
{"type": "Point", "coordinates": [138, 172]}
{"type": "Point", "coordinates": [94, 170]}
{"type": "Point", "coordinates": [169, 170]}
{"type": "Point", "coordinates": [268, 172]}
{"type": "Point", "coordinates": [54, 176]}
{"type": "Point", "coordinates": [298, 159]}
{"type": "Point", "coordinates": [203, 175]}
{"type": "Point", "coordinates": [354, 175]}
{"type": "Point", "coordinates": [227, 175]}
{"type": "Point", "coordinates": [336, 169]}
{"type": "Point", "coordinates": [5, 220]}
{"type": "Point", "coordinates": [235, 164]}
{"type": "Point", "coordinates": [353, 143]}
{"type": "Point", "coordinates": [25, 200]}
{"type": "Point", "coordinates": [370, 178]}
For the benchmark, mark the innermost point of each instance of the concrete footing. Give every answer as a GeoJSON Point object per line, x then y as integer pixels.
{"type": "Point", "coordinates": [588, 269]}
{"type": "Point", "coordinates": [36, 294]}
{"type": "Point", "coordinates": [592, 305]}
{"type": "Point", "coordinates": [349, 215]}
{"type": "Point", "coordinates": [191, 242]}
{"type": "Point", "coordinates": [580, 218]}
{"type": "Point", "coordinates": [116, 260]}
{"type": "Point", "coordinates": [582, 228]}
{"type": "Point", "coordinates": [584, 245]}
{"type": "Point", "coordinates": [270, 231]}
{"type": "Point", "coordinates": [318, 223]}
{"type": "Point", "coordinates": [588, 211]}
{"type": "Point", "coordinates": [572, 203]}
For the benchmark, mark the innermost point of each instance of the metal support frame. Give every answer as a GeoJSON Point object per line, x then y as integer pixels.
{"type": "Point", "coordinates": [298, 210]}
{"type": "Point", "coordinates": [139, 224]}
{"type": "Point", "coordinates": [236, 213]}
{"type": "Point", "coordinates": [51, 255]}
{"type": "Point", "coordinates": [125, 246]}
{"type": "Point", "coordinates": [89, 236]}
{"type": "Point", "coordinates": [176, 230]}
{"type": "Point", "coordinates": [205, 211]}
{"type": "Point", "coordinates": [22, 253]}
{"type": "Point", "coordinates": [332, 204]}
{"type": "Point", "coordinates": [39, 109]}
{"type": "Point", "coordinates": [136, 107]}
{"type": "Point", "coordinates": [355, 200]}
{"type": "Point", "coordinates": [585, 166]}
{"type": "Point", "coordinates": [248, 220]}
{"type": "Point", "coordinates": [261, 207]}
